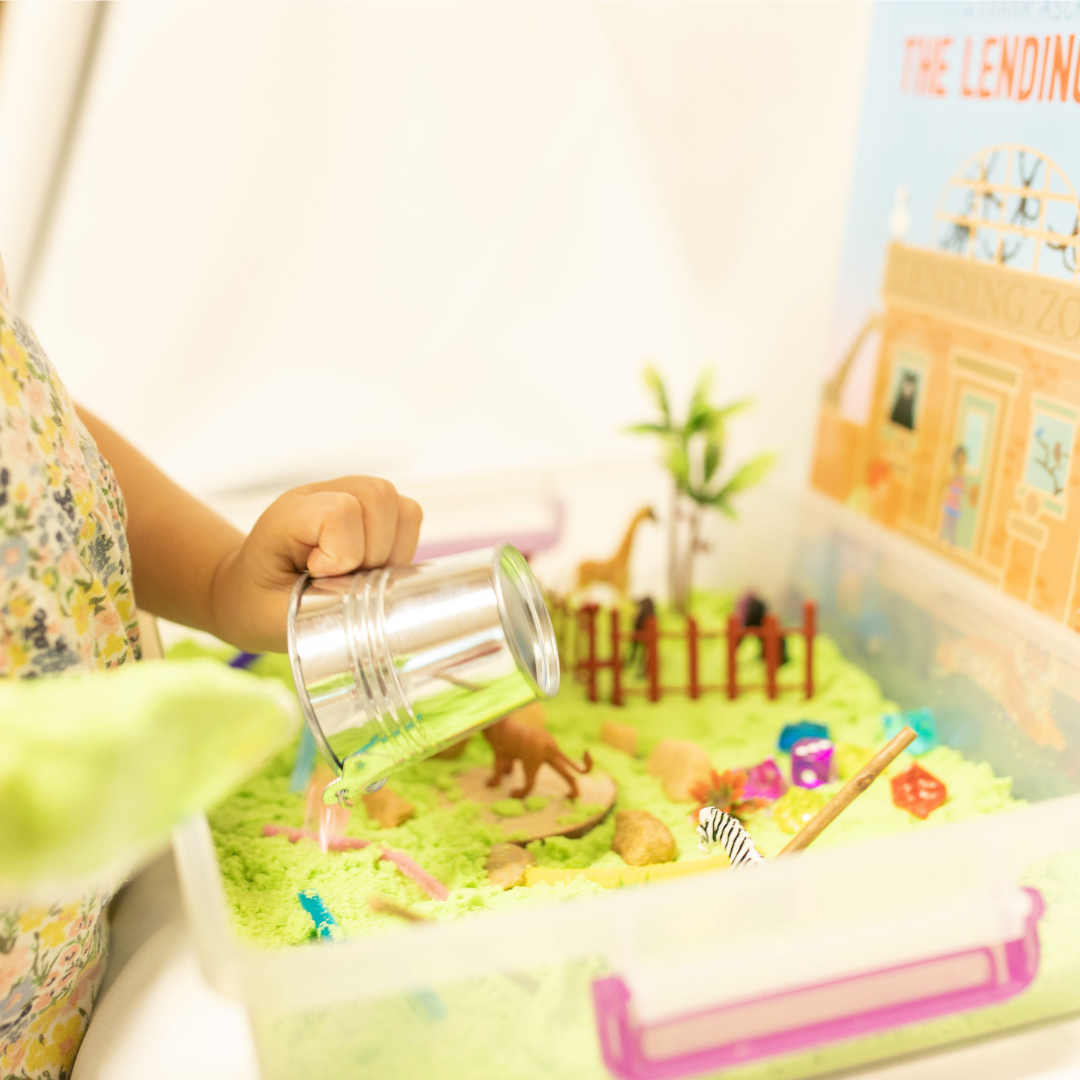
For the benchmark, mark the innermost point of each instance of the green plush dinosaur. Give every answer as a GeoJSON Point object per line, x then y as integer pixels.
{"type": "Point", "coordinates": [96, 769]}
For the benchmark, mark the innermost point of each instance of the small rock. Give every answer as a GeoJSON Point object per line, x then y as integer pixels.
{"type": "Point", "coordinates": [642, 839]}
{"type": "Point", "coordinates": [682, 766]}
{"type": "Point", "coordinates": [534, 715]}
{"type": "Point", "coordinates": [388, 808]}
{"type": "Point", "coordinates": [506, 865]}
{"type": "Point", "coordinates": [621, 736]}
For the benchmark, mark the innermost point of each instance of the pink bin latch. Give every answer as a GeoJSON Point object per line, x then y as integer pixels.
{"type": "Point", "coordinates": [809, 1016]}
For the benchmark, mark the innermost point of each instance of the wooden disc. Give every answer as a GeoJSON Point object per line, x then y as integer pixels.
{"type": "Point", "coordinates": [596, 788]}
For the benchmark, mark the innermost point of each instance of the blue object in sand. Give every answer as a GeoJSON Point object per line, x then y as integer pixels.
{"type": "Point", "coordinates": [921, 721]}
{"type": "Point", "coordinates": [243, 660]}
{"type": "Point", "coordinates": [325, 923]}
{"type": "Point", "coordinates": [804, 729]}
{"type": "Point", "coordinates": [303, 763]}
{"type": "Point", "coordinates": [427, 1001]}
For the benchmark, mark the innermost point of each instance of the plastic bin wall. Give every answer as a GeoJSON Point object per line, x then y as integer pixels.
{"type": "Point", "coordinates": [509, 996]}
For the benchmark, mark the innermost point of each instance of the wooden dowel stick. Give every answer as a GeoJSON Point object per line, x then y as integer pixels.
{"type": "Point", "coordinates": [850, 792]}
{"type": "Point", "coordinates": [388, 907]}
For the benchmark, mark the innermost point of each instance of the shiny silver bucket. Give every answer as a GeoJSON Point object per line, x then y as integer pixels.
{"type": "Point", "coordinates": [393, 665]}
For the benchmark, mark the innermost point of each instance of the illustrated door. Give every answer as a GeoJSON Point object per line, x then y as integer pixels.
{"type": "Point", "coordinates": [969, 468]}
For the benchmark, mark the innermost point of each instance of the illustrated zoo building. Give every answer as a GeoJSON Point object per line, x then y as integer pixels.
{"type": "Point", "coordinates": [970, 439]}
{"type": "Point", "coordinates": [582, 653]}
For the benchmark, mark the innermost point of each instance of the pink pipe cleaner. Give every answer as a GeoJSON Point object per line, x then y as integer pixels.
{"type": "Point", "coordinates": [337, 843]}
{"type": "Point", "coordinates": [435, 889]}
{"type": "Point", "coordinates": [408, 866]}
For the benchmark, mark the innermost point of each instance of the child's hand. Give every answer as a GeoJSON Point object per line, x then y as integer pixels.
{"type": "Point", "coordinates": [355, 523]}
{"type": "Point", "coordinates": [191, 566]}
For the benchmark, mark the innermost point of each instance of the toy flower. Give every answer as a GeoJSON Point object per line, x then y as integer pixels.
{"type": "Point", "coordinates": [725, 792]}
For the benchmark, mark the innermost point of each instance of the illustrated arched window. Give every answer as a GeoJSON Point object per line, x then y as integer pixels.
{"type": "Point", "coordinates": [1011, 205]}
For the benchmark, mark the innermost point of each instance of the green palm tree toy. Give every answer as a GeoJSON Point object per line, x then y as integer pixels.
{"type": "Point", "coordinates": [693, 452]}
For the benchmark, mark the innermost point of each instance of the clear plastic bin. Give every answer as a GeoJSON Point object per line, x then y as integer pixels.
{"type": "Point", "coordinates": [803, 967]}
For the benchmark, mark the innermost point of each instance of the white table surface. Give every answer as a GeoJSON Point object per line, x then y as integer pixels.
{"type": "Point", "coordinates": [157, 1017]}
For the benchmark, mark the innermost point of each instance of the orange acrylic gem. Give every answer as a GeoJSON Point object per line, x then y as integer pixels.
{"type": "Point", "coordinates": [918, 792]}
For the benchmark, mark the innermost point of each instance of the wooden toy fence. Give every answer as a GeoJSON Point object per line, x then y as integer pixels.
{"type": "Point", "coordinates": [587, 667]}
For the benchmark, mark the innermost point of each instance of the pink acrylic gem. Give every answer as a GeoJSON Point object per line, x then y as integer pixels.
{"type": "Point", "coordinates": [812, 762]}
{"type": "Point", "coordinates": [764, 781]}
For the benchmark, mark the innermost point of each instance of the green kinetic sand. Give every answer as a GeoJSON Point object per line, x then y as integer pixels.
{"type": "Point", "coordinates": [262, 875]}
{"type": "Point", "coordinates": [448, 838]}
{"type": "Point", "coordinates": [95, 768]}
{"type": "Point", "coordinates": [495, 1029]}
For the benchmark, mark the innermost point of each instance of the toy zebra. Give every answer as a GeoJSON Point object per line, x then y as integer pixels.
{"type": "Point", "coordinates": [717, 827]}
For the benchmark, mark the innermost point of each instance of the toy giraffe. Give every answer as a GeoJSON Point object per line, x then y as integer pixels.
{"type": "Point", "coordinates": [616, 570]}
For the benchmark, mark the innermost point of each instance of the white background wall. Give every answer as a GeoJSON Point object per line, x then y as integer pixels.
{"type": "Point", "coordinates": [437, 241]}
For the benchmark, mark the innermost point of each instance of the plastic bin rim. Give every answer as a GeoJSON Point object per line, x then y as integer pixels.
{"type": "Point", "coordinates": [931, 571]}
{"type": "Point", "coordinates": [572, 929]}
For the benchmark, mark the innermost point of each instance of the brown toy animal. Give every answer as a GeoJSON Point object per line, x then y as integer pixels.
{"type": "Point", "coordinates": [532, 746]}
{"type": "Point", "coordinates": [616, 570]}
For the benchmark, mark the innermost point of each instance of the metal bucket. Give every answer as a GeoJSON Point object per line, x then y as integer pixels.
{"type": "Point", "coordinates": [393, 665]}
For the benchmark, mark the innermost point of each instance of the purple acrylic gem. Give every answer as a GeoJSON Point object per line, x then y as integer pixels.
{"type": "Point", "coordinates": [765, 781]}
{"type": "Point", "coordinates": [812, 762]}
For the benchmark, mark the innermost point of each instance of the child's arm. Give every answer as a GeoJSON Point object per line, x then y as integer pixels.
{"type": "Point", "coordinates": [192, 567]}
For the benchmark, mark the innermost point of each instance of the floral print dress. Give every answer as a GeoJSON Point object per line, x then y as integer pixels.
{"type": "Point", "coordinates": [66, 605]}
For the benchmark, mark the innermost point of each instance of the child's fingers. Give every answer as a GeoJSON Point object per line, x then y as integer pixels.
{"type": "Point", "coordinates": [391, 521]}
{"type": "Point", "coordinates": [356, 522]}
{"type": "Point", "coordinates": [380, 499]}
{"type": "Point", "coordinates": [409, 519]}
{"type": "Point", "coordinates": [323, 532]}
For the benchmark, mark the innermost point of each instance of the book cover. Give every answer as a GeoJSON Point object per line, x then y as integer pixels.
{"type": "Point", "coordinates": [951, 405]}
